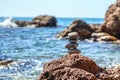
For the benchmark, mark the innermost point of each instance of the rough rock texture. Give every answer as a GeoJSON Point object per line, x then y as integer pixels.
{"type": "Point", "coordinates": [39, 21]}
{"type": "Point", "coordinates": [68, 74]}
{"type": "Point", "coordinates": [110, 74]}
{"type": "Point", "coordinates": [77, 67]}
{"type": "Point", "coordinates": [70, 67]}
{"type": "Point", "coordinates": [79, 26]}
{"type": "Point", "coordinates": [95, 27]}
{"type": "Point", "coordinates": [111, 24]}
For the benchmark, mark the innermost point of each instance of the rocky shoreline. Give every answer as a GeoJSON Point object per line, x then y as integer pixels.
{"type": "Point", "coordinates": [77, 67]}
{"type": "Point", "coordinates": [108, 31]}
{"type": "Point", "coordinates": [39, 21]}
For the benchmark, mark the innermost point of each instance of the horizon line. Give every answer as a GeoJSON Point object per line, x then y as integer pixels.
{"type": "Point", "coordinates": [55, 16]}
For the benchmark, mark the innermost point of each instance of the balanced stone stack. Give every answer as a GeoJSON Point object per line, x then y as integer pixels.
{"type": "Point", "coordinates": [72, 45]}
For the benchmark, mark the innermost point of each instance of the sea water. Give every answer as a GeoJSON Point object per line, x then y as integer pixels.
{"type": "Point", "coordinates": [31, 48]}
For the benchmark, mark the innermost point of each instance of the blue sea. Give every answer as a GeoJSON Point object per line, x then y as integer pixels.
{"type": "Point", "coordinates": [31, 48]}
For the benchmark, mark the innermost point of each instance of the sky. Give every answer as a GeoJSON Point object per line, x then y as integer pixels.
{"type": "Point", "coordinates": [58, 8]}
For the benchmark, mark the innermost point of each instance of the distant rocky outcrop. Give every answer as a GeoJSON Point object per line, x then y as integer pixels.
{"type": "Point", "coordinates": [77, 67]}
{"type": "Point", "coordinates": [45, 20]}
{"type": "Point", "coordinates": [82, 28]}
{"type": "Point", "coordinates": [111, 24]}
{"type": "Point", "coordinates": [39, 21]}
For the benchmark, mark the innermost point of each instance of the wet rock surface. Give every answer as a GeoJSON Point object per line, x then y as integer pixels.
{"type": "Point", "coordinates": [6, 62]}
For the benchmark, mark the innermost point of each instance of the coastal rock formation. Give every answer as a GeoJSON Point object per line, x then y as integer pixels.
{"type": "Point", "coordinates": [68, 74]}
{"type": "Point", "coordinates": [77, 67]}
{"type": "Point", "coordinates": [45, 20]}
{"type": "Point", "coordinates": [39, 21]}
{"type": "Point", "coordinates": [22, 23]}
{"type": "Point", "coordinates": [110, 74]}
{"type": "Point", "coordinates": [111, 24]}
{"type": "Point", "coordinates": [74, 67]}
{"type": "Point", "coordinates": [101, 36]}
{"type": "Point", "coordinates": [79, 26]}
{"type": "Point", "coordinates": [95, 27]}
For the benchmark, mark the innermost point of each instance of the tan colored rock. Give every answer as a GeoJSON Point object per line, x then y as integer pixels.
{"type": "Point", "coordinates": [110, 74]}
{"type": "Point", "coordinates": [111, 24]}
{"type": "Point", "coordinates": [103, 37]}
{"type": "Point", "coordinates": [68, 74]}
{"type": "Point", "coordinates": [67, 66]}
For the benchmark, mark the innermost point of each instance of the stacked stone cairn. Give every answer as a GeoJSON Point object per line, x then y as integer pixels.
{"type": "Point", "coordinates": [72, 45]}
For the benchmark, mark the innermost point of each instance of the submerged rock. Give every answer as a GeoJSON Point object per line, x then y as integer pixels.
{"type": "Point", "coordinates": [6, 62]}
{"type": "Point", "coordinates": [79, 26]}
{"type": "Point", "coordinates": [22, 23]}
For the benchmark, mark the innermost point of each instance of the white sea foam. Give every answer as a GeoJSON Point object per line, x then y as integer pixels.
{"type": "Point", "coordinates": [8, 23]}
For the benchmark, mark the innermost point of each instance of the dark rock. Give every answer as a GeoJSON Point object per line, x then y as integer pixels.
{"type": "Point", "coordinates": [71, 66]}
{"type": "Point", "coordinates": [22, 23]}
{"type": "Point", "coordinates": [111, 24]}
{"type": "Point", "coordinates": [79, 26]}
{"type": "Point", "coordinates": [45, 20]}
{"type": "Point", "coordinates": [6, 62]}
{"type": "Point", "coordinates": [39, 21]}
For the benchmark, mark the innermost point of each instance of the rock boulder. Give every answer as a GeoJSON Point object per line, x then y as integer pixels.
{"type": "Point", "coordinates": [79, 26]}
{"type": "Point", "coordinates": [39, 21]}
{"type": "Point", "coordinates": [45, 20]}
{"type": "Point", "coordinates": [111, 24]}
{"type": "Point", "coordinates": [73, 67]}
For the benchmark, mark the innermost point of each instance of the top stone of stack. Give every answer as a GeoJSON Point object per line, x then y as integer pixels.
{"type": "Point", "coordinates": [73, 35]}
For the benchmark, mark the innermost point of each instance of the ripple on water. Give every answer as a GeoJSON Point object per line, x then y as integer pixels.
{"type": "Point", "coordinates": [33, 47]}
